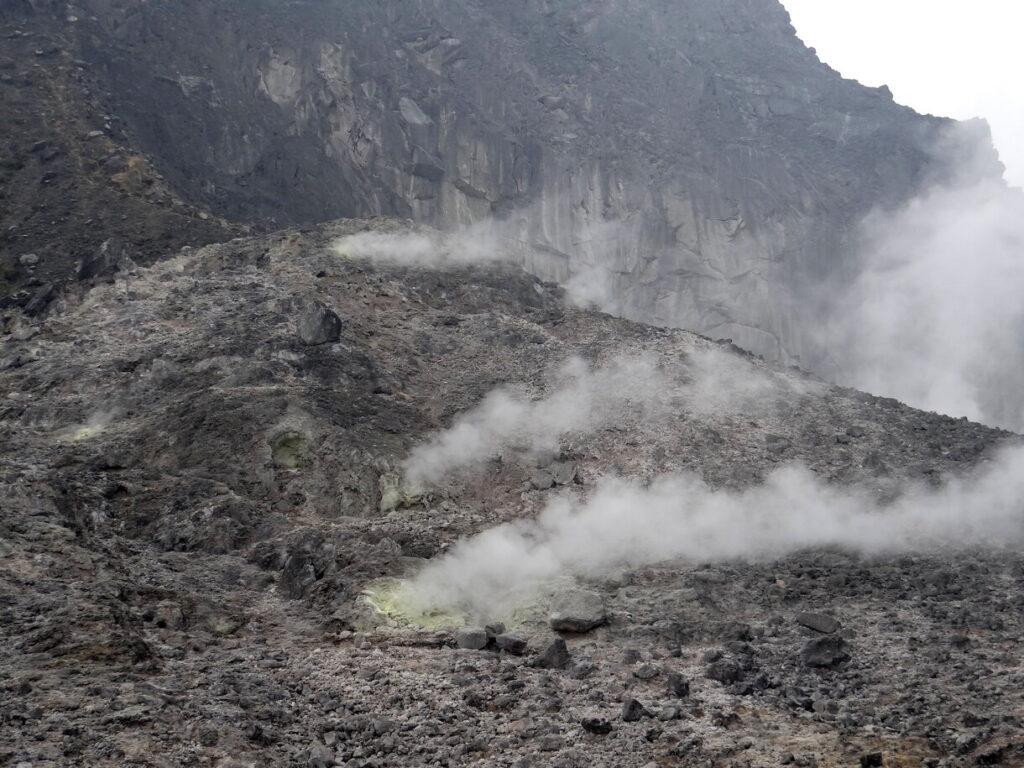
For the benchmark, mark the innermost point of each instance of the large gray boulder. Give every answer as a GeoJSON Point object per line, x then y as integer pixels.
{"type": "Point", "coordinates": [577, 610]}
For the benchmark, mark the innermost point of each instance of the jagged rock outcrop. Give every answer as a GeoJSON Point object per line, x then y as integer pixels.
{"type": "Point", "coordinates": [697, 152]}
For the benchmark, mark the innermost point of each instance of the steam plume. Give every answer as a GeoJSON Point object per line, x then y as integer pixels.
{"type": "Point", "coordinates": [678, 516]}
{"type": "Point", "coordinates": [581, 400]}
{"type": "Point", "coordinates": [936, 316]}
{"type": "Point", "coordinates": [585, 275]}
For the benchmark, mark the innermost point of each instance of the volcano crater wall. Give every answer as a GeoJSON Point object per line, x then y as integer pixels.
{"type": "Point", "coordinates": [697, 152]}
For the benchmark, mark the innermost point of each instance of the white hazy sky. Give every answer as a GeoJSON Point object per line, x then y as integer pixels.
{"type": "Point", "coordinates": [956, 58]}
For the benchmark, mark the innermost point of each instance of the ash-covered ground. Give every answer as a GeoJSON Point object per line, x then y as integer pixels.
{"type": "Point", "coordinates": [203, 476]}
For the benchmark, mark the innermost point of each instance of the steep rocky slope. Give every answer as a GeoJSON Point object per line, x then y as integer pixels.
{"type": "Point", "coordinates": [70, 180]}
{"type": "Point", "coordinates": [696, 151]}
{"type": "Point", "coordinates": [198, 471]}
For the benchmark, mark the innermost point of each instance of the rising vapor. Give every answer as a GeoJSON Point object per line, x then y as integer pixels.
{"type": "Point", "coordinates": [936, 316]}
{"type": "Point", "coordinates": [582, 400]}
{"type": "Point", "coordinates": [678, 517]}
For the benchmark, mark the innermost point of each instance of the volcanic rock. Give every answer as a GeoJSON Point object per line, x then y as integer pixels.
{"type": "Point", "coordinates": [725, 671]}
{"type": "Point", "coordinates": [818, 622]}
{"type": "Point", "coordinates": [511, 644]}
{"type": "Point", "coordinates": [556, 656]}
{"type": "Point", "coordinates": [577, 610]}
{"type": "Point", "coordinates": [597, 725]}
{"type": "Point", "coordinates": [472, 638]}
{"type": "Point", "coordinates": [825, 651]}
{"type": "Point", "coordinates": [633, 710]}
{"type": "Point", "coordinates": [317, 324]}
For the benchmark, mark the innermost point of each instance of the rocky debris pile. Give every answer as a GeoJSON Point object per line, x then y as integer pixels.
{"type": "Point", "coordinates": [192, 515]}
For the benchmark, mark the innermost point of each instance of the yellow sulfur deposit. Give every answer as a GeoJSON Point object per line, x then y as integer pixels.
{"type": "Point", "coordinates": [391, 598]}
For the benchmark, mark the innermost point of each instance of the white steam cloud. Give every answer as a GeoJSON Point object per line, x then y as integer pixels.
{"type": "Point", "coordinates": [936, 316]}
{"type": "Point", "coordinates": [623, 523]}
{"type": "Point", "coordinates": [582, 400]}
{"type": "Point", "coordinates": [585, 276]}
{"type": "Point", "coordinates": [476, 244]}
{"type": "Point", "coordinates": [627, 390]}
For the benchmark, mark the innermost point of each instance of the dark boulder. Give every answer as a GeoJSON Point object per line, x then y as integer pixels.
{"type": "Point", "coordinates": [824, 651]}
{"type": "Point", "coordinates": [317, 324]}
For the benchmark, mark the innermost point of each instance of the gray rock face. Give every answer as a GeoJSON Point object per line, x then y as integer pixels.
{"type": "Point", "coordinates": [577, 610]}
{"type": "Point", "coordinates": [695, 156]}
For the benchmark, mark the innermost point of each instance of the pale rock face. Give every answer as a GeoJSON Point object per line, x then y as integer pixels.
{"type": "Point", "coordinates": [687, 164]}
{"type": "Point", "coordinates": [280, 80]}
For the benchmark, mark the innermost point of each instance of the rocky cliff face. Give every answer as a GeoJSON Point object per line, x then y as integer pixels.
{"type": "Point", "coordinates": [696, 151]}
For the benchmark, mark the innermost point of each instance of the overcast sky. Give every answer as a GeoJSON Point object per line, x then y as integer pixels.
{"type": "Point", "coordinates": [957, 58]}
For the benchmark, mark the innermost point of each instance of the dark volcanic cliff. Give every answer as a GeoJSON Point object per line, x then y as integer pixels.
{"type": "Point", "coordinates": [731, 162]}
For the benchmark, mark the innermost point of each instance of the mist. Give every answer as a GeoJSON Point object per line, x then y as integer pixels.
{"type": "Point", "coordinates": [476, 244]}
{"type": "Point", "coordinates": [581, 399]}
{"type": "Point", "coordinates": [624, 523]}
{"type": "Point", "coordinates": [935, 316]}
{"type": "Point", "coordinates": [585, 276]}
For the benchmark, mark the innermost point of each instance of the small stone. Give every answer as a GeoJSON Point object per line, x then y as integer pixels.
{"type": "Point", "coordinates": [28, 260]}
{"type": "Point", "coordinates": [577, 610]}
{"type": "Point", "coordinates": [631, 656]}
{"type": "Point", "coordinates": [725, 671]}
{"type": "Point", "coordinates": [541, 479]}
{"type": "Point", "coordinates": [818, 622]}
{"type": "Point", "coordinates": [317, 324]}
{"type": "Point", "coordinates": [646, 671]}
{"type": "Point", "coordinates": [597, 725]}
{"type": "Point", "coordinates": [208, 736]}
{"type": "Point", "coordinates": [511, 644]}
{"type": "Point", "coordinates": [555, 657]}
{"type": "Point", "coordinates": [564, 472]}
{"type": "Point", "coordinates": [320, 756]}
{"type": "Point", "coordinates": [495, 629]}
{"type": "Point", "coordinates": [471, 638]}
{"type": "Point", "coordinates": [670, 712]}
{"type": "Point", "coordinates": [824, 651]}
{"type": "Point", "coordinates": [871, 760]}
{"type": "Point", "coordinates": [633, 710]}
{"type": "Point", "coordinates": [678, 686]}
